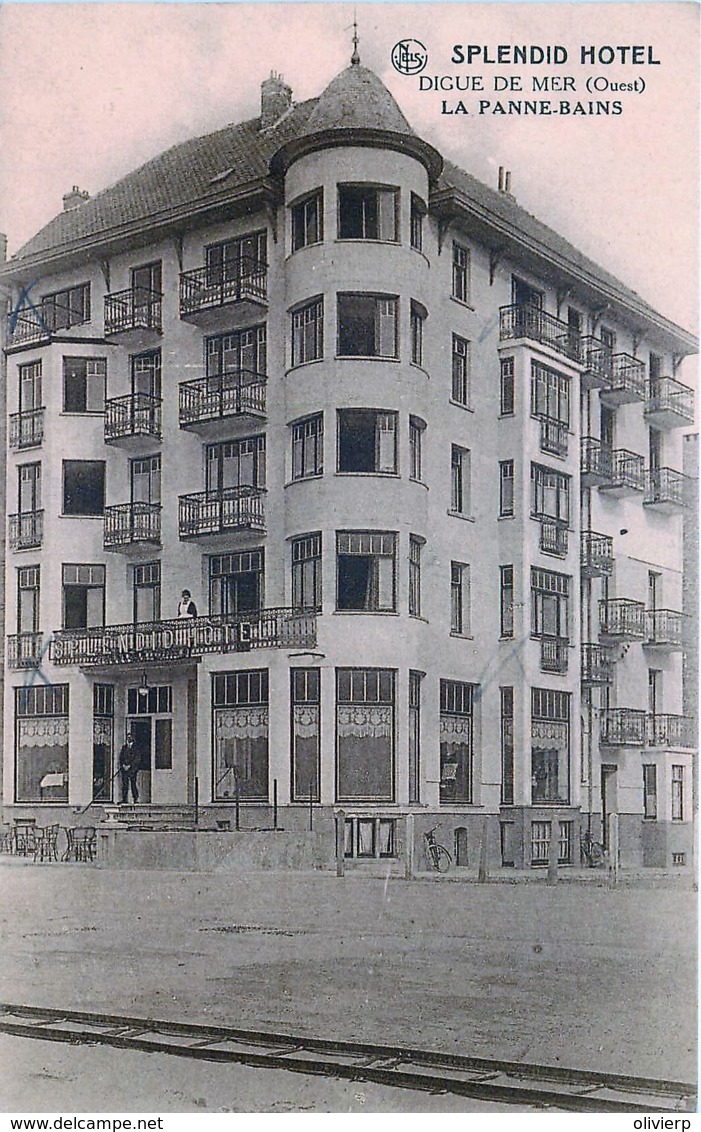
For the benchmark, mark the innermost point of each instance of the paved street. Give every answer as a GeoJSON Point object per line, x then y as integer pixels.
{"type": "Point", "coordinates": [576, 975]}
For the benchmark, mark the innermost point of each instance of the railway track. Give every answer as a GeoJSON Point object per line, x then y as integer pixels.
{"type": "Point", "coordinates": [510, 1082]}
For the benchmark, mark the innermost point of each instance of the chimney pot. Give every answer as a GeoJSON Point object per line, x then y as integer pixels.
{"type": "Point", "coordinates": [275, 100]}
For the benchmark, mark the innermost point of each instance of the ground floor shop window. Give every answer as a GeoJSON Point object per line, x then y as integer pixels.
{"type": "Point", "coordinates": [370, 837]}
{"type": "Point", "coordinates": [365, 734]}
{"type": "Point", "coordinates": [456, 742]}
{"type": "Point", "coordinates": [540, 842]}
{"type": "Point", "coordinates": [240, 724]}
{"type": "Point", "coordinates": [102, 742]}
{"type": "Point", "coordinates": [306, 749]}
{"type": "Point", "coordinates": [550, 745]}
{"type": "Point", "coordinates": [41, 737]}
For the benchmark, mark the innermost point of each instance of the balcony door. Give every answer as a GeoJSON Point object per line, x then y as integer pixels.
{"type": "Point", "coordinates": [655, 450]}
{"type": "Point", "coordinates": [146, 291]}
{"type": "Point", "coordinates": [523, 295]}
{"type": "Point", "coordinates": [146, 480]}
{"type": "Point", "coordinates": [29, 488]}
{"type": "Point", "coordinates": [30, 387]}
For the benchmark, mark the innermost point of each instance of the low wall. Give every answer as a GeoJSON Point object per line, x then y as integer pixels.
{"type": "Point", "coordinates": [212, 851]}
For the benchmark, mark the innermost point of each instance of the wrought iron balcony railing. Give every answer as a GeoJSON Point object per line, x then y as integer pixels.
{"type": "Point", "coordinates": [597, 665]}
{"type": "Point", "coordinates": [206, 288]}
{"type": "Point", "coordinates": [616, 470]}
{"type": "Point", "coordinates": [26, 530]}
{"type": "Point", "coordinates": [669, 403]}
{"type": "Point", "coordinates": [522, 321]}
{"type": "Point", "coordinates": [25, 650]}
{"type": "Point", "coordinates": [25, 327]}
{"type": "Point", "coordinates": [670, 731]}
{"type": "Point", "coordinates": [622, 618]}
{"type": "Point", "coordinates": [596, 554]}
{"type": "Point", "coordinates": [137, 414]}
{"type": "Point", "coordinates": [627, 381]}
{"type": "Point", "coordinates": [184, 638]}
{"type": "Point", "coordinates": [26, 429]}
{"type": "Point", "coordinates": [133, 309]}
{"type": "Point", "coordinates": [664, 629]}
{"type": "Point", "coordinates": [622, 727]}
{"type": "Point", "coordinates": [128, 524]}
{"type": "Point", "coordinates": [597, 359]}
{"type": "Point", "coordinates": [554, 654]}
{"type": "Point", "coordinates": [666, 489]}
{"type": "Point", "coordinates": [241, 393]}
{"type": "Point", "coordinates": [553, 537]}
{"type": "Point", "coordinates": [217, 512]}
{"type": "Point", "coordinates": [553, 437]}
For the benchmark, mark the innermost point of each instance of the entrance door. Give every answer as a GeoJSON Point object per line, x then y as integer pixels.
{"type": "Point", "coordinates": [141, 730]}
{"type": "Point", "coordinates": [609, 799]}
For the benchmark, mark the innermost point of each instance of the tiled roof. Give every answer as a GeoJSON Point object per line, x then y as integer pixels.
{"type": "Point", "coordinates": [357, 100]}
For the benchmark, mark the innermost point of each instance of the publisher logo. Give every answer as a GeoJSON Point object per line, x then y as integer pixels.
{"type": "Point", "coordinates": [409, 56]}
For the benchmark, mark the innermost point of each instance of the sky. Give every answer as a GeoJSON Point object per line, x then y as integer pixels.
{"type": "Point", "coordinates": [90, 91]}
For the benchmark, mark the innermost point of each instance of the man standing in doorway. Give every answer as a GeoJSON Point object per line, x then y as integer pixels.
{"type": "Point", "coordinates": [129, 768]}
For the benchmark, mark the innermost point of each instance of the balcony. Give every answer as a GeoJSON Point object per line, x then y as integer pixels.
{"type": "Point", "coordinates": [622, 727]}
{"type": "Point", "coordinates": [183, 639]}
{"type": "Point", "coordinates": [595, 463]}
{"type": "Point", "coordinates": [626, 472]}
{"type": "Point", "coordinates": [206, 290]}
{"type": "Point", "coordinates": [135, 315]}
{"type": "Point", "coordinates": [597, 666]}
{"type": "Point", "coordinates": [664, 630]}
{"type": "Point", "coordinates": [26, 327]}
{"type": "Point", "coordinates": [26, 429]}
{"type": "Point", "coordinates": [669, 403]}
{"type": "Point", "coordinates": [666, 491]}
{"type": "Point", "coordinates": [135, 418]}
{"type": "Point", "coordinates": [539, 326]}
{"type": "Point", "coordinates": [25, 650]}
{"type": "Point", "coordinates": [622, 619]}
{"type": "Point", "coordinates": [132, 525]}
{"type": "Point", "coordinates": [26, 530]}
{"type": "Point", "coordinates": [596, 555]}
{"type": "Point", "coordinates": [238, 395]}
{"type": "Point", "coordinates": [553, 437]}
{"type": "Point", "coordinates": [627, 381]}
{"type": "Point", "coordinates": [597, 359]}
{"type": "Point", "coordinates": [553, 537]}
{"type": "Point", "coordinates": [554, 653]}
{"type": "Point", "coordinates": [222, 512]}
{"type": "Point", "coordinates": [670, 731]}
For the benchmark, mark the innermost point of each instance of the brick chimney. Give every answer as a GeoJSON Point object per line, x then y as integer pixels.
{"type": "Point", "coordinates": [74, 198]}
{"type": "Point", "coordinates": [275, 100]}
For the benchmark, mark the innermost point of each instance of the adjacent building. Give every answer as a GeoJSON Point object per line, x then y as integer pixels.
{"type": "Point", "coordinates": [418, 463]}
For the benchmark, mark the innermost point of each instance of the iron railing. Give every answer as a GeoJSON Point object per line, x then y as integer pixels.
{"type": "Point", "coordinates": [26, 530]}
{"type": "Point", "coordinates": [622, 727]}
{"type": "Point", "coordinates": [24, 327]}
{"type": "Point", "coordinates": [128, 523]}
{"type": "Point", "coordinates": [27, 429]}
{"type": "Point", "coordinates": [554, 654]}
{"type": "Point", "coordinates": [670, 731]}
{"type": "Point", "coordinates": [216, 512]}
{"type": "Point", "coordinates": [596, 554]}
{"type": "Point", "coordinates": [627, 376]}
{"type": "Point", "coordinates": [664, 627]}
{"type": "Point", "coordinates": [553, 437]}
{"type": "Point", "coordinates": [597, 665]}
{"type": "Point", "coordinates": [622, 617]}
{"type": "Point", "coordinates": [666, 395]}
{"type": "Point", "coordinates": [137, 414]}
{"type": "Point", "coordinates": [234, 394]}
{"type": "Point", "coordinates": [597, 359]}
{"type": "Point", "coordinates": [184, 638]}
{"type": "Point", "coordinates": [25, 650]}
{"type": "Point", "coordinates": [612, 467]}
{"type": "Point", "coordinates": [523, 321]}
{"type": "Point", "coordinates": [206, 288]}
{"type": "Point", "coordinates": [133, 309]}
{"type": "Point", "coordinates": [553, 537]}
{"type": "Point", "coordinates": [667, 487]}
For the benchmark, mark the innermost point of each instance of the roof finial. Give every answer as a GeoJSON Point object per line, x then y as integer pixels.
{"type": "Point", "coordinates": [355, 57]}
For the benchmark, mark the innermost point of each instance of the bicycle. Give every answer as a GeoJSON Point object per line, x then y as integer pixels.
{"type": "Point", "coordinates": [592, 852]}
{"type": "Point", "coordinates": [437, 856]}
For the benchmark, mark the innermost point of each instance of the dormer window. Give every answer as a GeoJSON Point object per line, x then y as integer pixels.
{"type": "Point", "coordinates": [367, 213]}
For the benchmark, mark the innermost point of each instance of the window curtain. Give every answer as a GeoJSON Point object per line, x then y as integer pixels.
{"type": "Point", "coordinates": [364, 734]}
{"type": "Point", "coordinates": [42, 751]}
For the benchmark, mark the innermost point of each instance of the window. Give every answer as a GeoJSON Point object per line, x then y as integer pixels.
{"type": "Point", "coordinates": [507, 746]}
{"type": "Point", "coordinates": [306, 572]}
{"type": "Point", "coordinates": [83, 487]}
{"type": "Point", "coordinates": [550, 494]}
{"type": "Point", "coordinates": [147, 592]}
{"type": "Point", "coordinates": [308, 332]}
{"type": "Point", "coordinates": [367, 441]}
{"type": "Point", "coordinates": [83, 596]}
{"type": "Point", "coordinates": [66, 308]}
{"type": "Point", "coordinates": [367, 326]}
{"type": "Point", "coordinates": [240, 727]}
{"type": "Point", "coordinates": [550, 594]}
{"type": "Point", "coordinates": [459, 480]}
{"type": "Point", "coordinates": [102, 742]}
{"type": "Point", "coordinates": [307, 221]}
{"type": "Point", "coordinates": [461, 371]}
{"type": "Point", "coordinates": [507, 391]}
{"type": "Point", "coordinates": [241, 352]}
{"type": "Point", "coordinates": [365, 571]}
{"type": "Point", "coordinates": [506, 600]}
{"type": "Point", "coordinates": [541, 832]}
{"type": "Point", "coordinates": [305, 701]}
{"type": "Point", "coordinates": [456, 741]}
{"type": "Point", "coordinates": [415, 544]}
{"type": "Point", "coordinates": [84, 381]}
{"type": "Point", "coordinates": [146, 479]}
{"type": "Point", "coordinates": [41, 736]}
{"type": "Point", "coordinates": [650, 791]}
{"type": "Point", "coordinates": [506, 487]}
{"type": "Point", "coordinates": [460, 598]}
{"type": "Point", "coordinates": [415, 679]}
{"type": "Point", "coordinates": [461, 273]}
{"type": "Point", "coordinates": [418, 317]}
{"type": "Point", "coordinates": [367, 213]}
{"type": "Point", "coordinates": [677, 793]}
{"type": "Point", "coordinates": [236, 582]}
{"type": "Point", "coordinates": [235, 463]}
{"type": "Point", "coordinates": [235, 260]}
{"type": "Point", "coordinates": [157, 699]}
{"type": "Point", "coordinates": [416, 223]}
{"type": "Point", "coordinates": [308, 447]}
{"type": "Point", "coordinates": [28, 599]}
{"type": "Point", "coordinates": [550, 394]}
{"type": "Point", "coordinates": [370, 837]}
{"type": "Point", "coordinates": [550, 741]}
{"type": "Point", "coordinates": [364, 734]}
{"type": "Point", "coordinates": [416, 431]}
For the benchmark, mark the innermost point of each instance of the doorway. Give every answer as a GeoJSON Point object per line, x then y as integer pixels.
{"type": "Point", "coordinates": [609, 799]}
{"type": "Point", "coordinates": [141, 730]}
